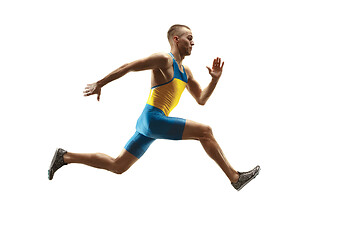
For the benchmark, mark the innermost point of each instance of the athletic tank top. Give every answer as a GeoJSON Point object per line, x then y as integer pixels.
{"type": "Point", "coordinates": [167, 95]}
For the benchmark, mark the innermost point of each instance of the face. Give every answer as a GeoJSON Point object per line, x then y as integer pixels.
{"type": "Point", "coordinates": [185, 42]}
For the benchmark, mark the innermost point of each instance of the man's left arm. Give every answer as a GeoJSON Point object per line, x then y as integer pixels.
{"type": "Point", "coordinates": [201, 96]}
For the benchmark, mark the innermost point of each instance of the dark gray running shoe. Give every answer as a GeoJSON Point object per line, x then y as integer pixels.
{"type": "Point", "coordinates": [57, 162]}
{"type": "Point", "coordinates": [245, 178]}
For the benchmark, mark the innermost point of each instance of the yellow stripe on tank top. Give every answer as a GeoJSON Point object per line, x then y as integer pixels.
{"type": "Point", "coordinates": [167, 96]}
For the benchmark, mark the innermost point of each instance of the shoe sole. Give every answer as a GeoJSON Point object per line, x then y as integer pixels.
{"type": "Point", "coordinates": [50, 171]}
{"type": "Point", "coordinates": [256, 173]}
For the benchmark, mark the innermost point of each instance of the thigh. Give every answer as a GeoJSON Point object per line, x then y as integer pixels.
{"type": "Point", "coordinates": [153, 123]}
{"type": "Point", "coordinates": [126, 158]}
{"type": "Point", "coordinates": [163, 127]}
{"type": "Point", "coordinates": [137, 145]}
{"type": "Point", "coordinates": [195, 130]}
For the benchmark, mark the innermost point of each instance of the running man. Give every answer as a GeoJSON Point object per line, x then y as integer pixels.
{"type": "Point", "coordinates": [169, 78]}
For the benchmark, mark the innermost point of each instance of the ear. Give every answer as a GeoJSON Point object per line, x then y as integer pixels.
{"type": "Point", "coordinates": [176, 39]}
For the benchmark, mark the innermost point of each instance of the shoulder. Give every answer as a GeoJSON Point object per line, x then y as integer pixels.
{"type": "Point", "coordinates": [162, 58]}
{"type": "Point", "coordinates": [188, 72]}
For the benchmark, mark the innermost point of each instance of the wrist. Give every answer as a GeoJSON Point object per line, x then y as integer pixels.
{"type": "Point", "coordinates": [101, 83]}
{"type": "Point", "coordinates": [214, 79]}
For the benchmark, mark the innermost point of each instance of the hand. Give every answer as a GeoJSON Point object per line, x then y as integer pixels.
{"type": "Point", "coordinates": [216, 70]}
{"type": "Point", "coordinates": [91, 89]}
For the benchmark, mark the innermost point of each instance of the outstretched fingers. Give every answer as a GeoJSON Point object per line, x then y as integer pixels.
{"type": "Point", "coordinates": [91, 89]}
{"type": "Point", "coordinates": [217, 63]}
{"type": "Point", "coordinates": [88, 90]}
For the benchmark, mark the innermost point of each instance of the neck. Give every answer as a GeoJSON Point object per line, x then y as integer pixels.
{"type": "Point", "coordinates": [178, 57]}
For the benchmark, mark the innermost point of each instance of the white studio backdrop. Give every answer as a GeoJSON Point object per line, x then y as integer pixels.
{"type": "Point", "coordinates": [288, 100]}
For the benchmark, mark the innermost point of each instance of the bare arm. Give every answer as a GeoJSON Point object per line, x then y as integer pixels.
{"type": "Point", "coordinates": [157, 60]}
{"type": "Point", "coordinates": [201, 96]}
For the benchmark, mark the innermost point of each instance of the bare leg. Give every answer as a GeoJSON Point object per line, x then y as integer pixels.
{"type": "Point", "coordinates": [203, 133]}
{"type": "Point", "coordinates": [99, 160]}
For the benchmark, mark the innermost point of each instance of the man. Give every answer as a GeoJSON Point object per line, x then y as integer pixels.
{"type": "Point", "coordinates": [168, 80]}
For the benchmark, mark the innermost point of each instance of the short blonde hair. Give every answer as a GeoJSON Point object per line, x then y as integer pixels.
{"type": "Point", "coordinates": [174, 30]}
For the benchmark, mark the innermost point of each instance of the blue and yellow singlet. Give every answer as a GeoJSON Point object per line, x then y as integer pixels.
{"type": "Point", "coordinates": [167, 95]}
{"type": "Point", "coordinates": [154, 122]}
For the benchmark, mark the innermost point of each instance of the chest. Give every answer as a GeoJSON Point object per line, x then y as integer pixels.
{"type": "Point", "coordinates": [159, 77]}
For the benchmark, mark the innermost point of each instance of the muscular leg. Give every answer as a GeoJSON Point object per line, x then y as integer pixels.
{"type": "Point", "coordinates": [99, 160]}
{"type": "Point", "coordinates": [203, 133]}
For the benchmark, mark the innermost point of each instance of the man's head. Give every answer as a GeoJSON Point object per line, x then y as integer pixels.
{"type": "Point", "coordinates": [180, 36]}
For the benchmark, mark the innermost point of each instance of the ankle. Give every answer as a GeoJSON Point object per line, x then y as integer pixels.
{"type": "Point", "coordinates": [235, 177]}
{"type": "Point", "coordinates": [66, 158]}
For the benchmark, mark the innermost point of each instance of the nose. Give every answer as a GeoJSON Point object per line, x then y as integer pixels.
{"type": "Point", "coordinates": [192, 43]}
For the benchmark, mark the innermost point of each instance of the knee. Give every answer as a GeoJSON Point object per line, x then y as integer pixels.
{"type": "Point", "coordinates": [119, 168]}
{"type": "Point", "coordinates": [207, 133]}
{"type": "Point", "coordinates": [118, 171]}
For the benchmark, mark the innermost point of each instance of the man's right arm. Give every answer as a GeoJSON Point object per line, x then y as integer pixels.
{"type": "Point", "coordinates": [157, 60]}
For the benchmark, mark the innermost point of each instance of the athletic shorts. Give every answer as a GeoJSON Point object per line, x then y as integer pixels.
{"type": "Point", "coordinates": [154, 124]}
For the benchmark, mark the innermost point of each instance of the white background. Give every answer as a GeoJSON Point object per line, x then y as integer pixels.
{"type": "Point", "coordinates": [288, 100]}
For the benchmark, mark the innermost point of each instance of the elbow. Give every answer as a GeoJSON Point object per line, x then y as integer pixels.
{"type": "Point", "coordinates": [201, 102]}
{"type": "Point", "coordinates": [126, 68]}
{"type": "Point", "coordinates": [130, 67]}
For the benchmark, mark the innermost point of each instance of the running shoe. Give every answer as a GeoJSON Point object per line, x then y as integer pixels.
{"type": "Point", "coordinates": [57, 162]}
{"type": "Point", "coordinates": [245, 178]}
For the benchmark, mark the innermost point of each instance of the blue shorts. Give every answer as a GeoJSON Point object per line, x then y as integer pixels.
{"type": "Point", "coordinates": [154, 124]}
